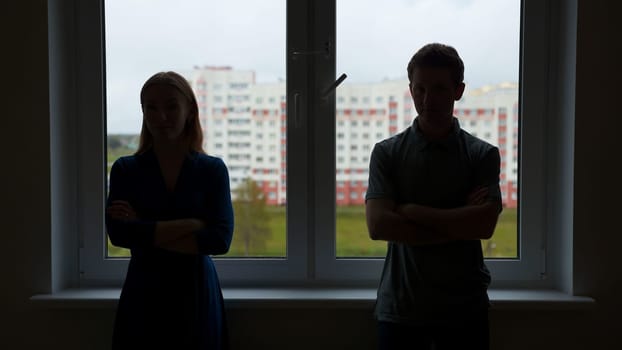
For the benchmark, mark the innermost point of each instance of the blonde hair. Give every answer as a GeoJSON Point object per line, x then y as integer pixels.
{"type": "Point", "coordinates": [192, 130]}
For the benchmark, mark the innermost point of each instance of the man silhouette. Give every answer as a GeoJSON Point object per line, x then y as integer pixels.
{"type": "Point", "coordinates": [433, 195]}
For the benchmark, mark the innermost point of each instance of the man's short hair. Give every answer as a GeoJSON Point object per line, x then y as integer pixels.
{"type": "Point", "coordinates": [438, 56]}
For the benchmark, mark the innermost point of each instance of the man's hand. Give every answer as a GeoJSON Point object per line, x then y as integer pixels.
{"type": "Point", "coordinates": [478, 196]}
{"type": "Point", "coordinates": [476, 220]}
{"type": "Point", "coordinates": [403, 209]}
{"type": "Point", "coordinates": [121, 210]}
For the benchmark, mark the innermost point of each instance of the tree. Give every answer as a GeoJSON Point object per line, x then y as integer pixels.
{"type": "Point", "coordinates": [251, 218]}
{"type": "Point", "coordinates": [114, 141]}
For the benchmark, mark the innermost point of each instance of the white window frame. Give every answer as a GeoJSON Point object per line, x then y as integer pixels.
{"type": "Point", "coordinates": [529, 270]}
{"type": "Point", "coordinates": [311, 252]}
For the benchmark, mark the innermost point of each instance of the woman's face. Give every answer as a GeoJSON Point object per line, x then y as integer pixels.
{"type": "Point", "coordinates": [165, 111]}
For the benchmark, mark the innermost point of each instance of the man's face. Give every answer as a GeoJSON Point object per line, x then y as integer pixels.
{"type": "Point", "coordinates": [434, 92]}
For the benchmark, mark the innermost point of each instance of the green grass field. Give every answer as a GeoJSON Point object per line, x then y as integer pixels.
{"type": "Point", "coordinates": [352, 238]}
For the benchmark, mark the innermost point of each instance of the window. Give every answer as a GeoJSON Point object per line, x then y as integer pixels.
{"type": "Point", "coordinates": [508, 245]}
{"type": "Point", "coordinates": [328, 265]}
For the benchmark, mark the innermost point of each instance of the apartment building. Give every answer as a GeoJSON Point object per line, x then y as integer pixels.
{"type": "Point", "coordinates": [244, 123]}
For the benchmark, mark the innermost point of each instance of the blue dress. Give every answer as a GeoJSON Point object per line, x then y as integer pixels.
{"type": "Point", "coordinates": [169, 299]}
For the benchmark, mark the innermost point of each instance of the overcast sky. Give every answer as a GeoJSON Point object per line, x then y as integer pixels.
{"type": "Point", "coordinates": [375, 40]}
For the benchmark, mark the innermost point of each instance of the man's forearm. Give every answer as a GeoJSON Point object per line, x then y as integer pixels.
{"type": "Point", "coordinates": [468, 222]}
{"type": "Point", "coordinates": [391, 226]}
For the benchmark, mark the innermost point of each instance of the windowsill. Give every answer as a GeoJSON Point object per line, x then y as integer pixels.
{"type": "Point", "coordinates": [318, 297]}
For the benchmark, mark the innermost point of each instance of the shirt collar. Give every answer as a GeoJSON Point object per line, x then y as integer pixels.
{"type": "Point", "coordinates": [450, 142]}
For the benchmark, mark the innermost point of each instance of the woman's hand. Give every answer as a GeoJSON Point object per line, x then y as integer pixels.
{"type": "Point", "coordinates": [121, 210]}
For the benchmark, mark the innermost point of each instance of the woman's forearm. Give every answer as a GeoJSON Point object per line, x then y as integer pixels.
{"type": "Point", "coordinates": [185, 245]}
{"type": "Point", "coordinates": [170, 231]}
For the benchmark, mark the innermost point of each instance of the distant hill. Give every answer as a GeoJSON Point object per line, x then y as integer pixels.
{"type": "Point", "coordinates": [120, 145]}
{"type": "Point", "coordinates": [128, 141]}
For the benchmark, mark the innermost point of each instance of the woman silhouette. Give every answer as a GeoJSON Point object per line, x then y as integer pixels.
{"type": "Point", "coordinates": [170, 204]}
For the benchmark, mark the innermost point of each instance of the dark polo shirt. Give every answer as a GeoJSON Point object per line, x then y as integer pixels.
{"type": "Point", "coordinates": [434, 283]}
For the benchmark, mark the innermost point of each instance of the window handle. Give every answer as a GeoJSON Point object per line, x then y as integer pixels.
{"type": "Point", "coordinates": [329, 90]}
{"type": "Point", "coordinates": [325, 51]}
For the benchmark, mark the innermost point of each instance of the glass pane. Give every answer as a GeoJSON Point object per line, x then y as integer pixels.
{"type": "Point", "coordinates": [373, 48]}
{"type": "Point", "coordinates": [220, 48]}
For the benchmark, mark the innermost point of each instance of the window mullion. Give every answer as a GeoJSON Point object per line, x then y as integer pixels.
{"type": "Point", "coordinates": [323, 157]}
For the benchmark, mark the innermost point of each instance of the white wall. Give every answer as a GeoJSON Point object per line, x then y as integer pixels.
{"type": "Point", "coordinates": [25, 214]}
